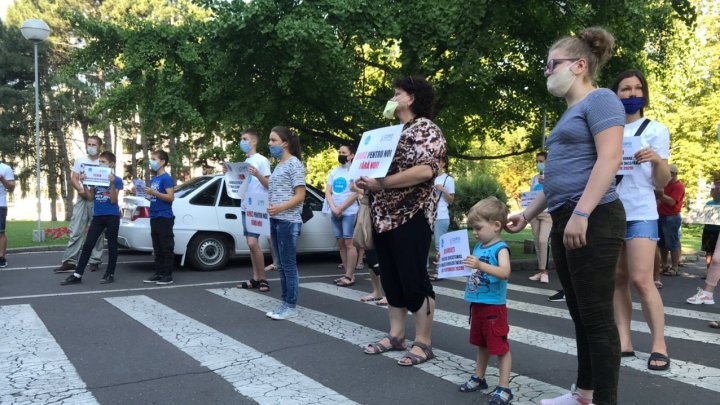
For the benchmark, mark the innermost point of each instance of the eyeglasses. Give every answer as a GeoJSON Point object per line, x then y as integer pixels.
{"type": "Point", "coordinates": [550, 67]}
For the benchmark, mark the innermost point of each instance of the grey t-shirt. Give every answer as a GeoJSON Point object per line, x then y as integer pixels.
{"type": "Point", "coordinates": [571, 147]}
{"type": "Point", "coordinates": [283, 180]}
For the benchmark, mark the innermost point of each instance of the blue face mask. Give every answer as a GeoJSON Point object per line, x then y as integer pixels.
{"type": "Point", "coordinates": [633, 104]}
{"type": "Point", "coordinates": [154, 165]}
{"type": "Point", "coordinates": [245, 146]}
{"type": "Point", "coordinates": [276, 151]}
{"type": "Point", "coordinates": [541, 167]}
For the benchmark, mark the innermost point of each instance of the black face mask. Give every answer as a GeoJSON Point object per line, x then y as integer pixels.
{"type": "Point", "coordinates": [342, 159]}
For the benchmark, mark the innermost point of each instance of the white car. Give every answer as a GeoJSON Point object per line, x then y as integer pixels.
{"type": "Point", "coordinates": [208, 224]}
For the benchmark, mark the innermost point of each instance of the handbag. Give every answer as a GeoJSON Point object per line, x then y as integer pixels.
{"type": "Point", "coordinates": [362, 235]}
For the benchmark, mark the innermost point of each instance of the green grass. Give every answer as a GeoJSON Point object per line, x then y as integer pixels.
{"type": "Point", "coordinates": [19, 233]}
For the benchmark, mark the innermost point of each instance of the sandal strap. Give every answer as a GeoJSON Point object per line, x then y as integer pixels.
{"type": "Point", "coordinates": [427, 350]}
{"type": "Point", "coordinates": [396, 343]}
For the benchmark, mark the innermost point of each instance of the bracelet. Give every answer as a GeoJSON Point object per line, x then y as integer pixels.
{"type": "Point", "coordinates": [581, 214]}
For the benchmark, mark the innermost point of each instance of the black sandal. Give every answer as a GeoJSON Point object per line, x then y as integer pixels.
{"type": "Point", "coordinates": [655, 356]}
{"type": "Point", "coordinates": [250, 284]}
{"type": "Point", "coordinates": [263, 286]}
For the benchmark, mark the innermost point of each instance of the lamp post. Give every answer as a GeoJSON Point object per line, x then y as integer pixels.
{"type": "Point", "coordinates": [36, 31]}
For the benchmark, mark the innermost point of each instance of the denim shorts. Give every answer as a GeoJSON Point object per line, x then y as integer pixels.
{"type": "Point", "coordinates": [245, 232]}
{"type": "Point", "coordinates": [344, 226]}
{"type": "Point", "coordinates": [669, 232]}
{"type": "Point", "coordinates": [643, 229]}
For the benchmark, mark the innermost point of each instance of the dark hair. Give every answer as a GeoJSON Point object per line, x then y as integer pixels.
{"type": "Point", "coordinates": [351, 147]}
{"type": "Point", "coordinates": [418, 87]}
{"type": "Point", "coordinates": [633, 73]}
{"type": "Point", "coordinates": [541, 153]}
{"type": "Point", "coordinates": [252, 132]}
{"type": "Point", "coordinates": [109, 156]}
{"type": "Point", "coordinates": [162, 155]}
{"type": "Point", "coordinates": [97, 138]}
{"type": "Point", "coordinates": [594, 44]}
{"type": "Point", "coordinates": [291, 138]}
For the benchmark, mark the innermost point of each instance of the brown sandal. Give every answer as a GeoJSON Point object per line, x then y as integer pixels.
{"type": "Point", "coordinates": [414, 358]}
{"type": "Point", "coordinates": [379, 348]}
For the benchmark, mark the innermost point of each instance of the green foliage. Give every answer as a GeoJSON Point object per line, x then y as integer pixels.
{"type": "Point", "coordinates": [469, 190]}
{"type": "Point", "coordinates": [319, 165]}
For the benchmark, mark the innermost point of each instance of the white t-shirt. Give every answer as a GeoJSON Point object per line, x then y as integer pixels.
{"type": "Point", "coordinates": [5, 171]}
{"type": "Point", "coordinates": [82, 161]}
{"type": "Point", "coordinates": [339, 181]}
{"type": "Point", "coordinates": [262, 164]}
{"type": "Point", "coordinates": [636, 189]}
{"type": "Point", "coordinates": [448, 182]}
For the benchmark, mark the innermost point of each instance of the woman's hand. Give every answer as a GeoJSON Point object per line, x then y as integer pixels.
{"type": "Point", "coordinates": [575, 232]}
{"type": "Point", "coordinates": [336, 211]}
{"type": "Point", "coordinates": [516, 223]}
{"type": "Point", "coordinates": [647, 155]}
{"type": "Point", "coordinates": [366, 183]}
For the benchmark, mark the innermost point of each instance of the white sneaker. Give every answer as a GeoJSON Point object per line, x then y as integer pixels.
{"type": "Point", "coordinates": [535, 277]}
{"type": "Point", "coordinates": [277, 310]}
{"type": "Point", "coordinates": [567, 399]}
{"type": "Point", "coordinates": [286, 313]}
{"type": "Point", "coordinates": [702, 297]}
{"type": "Point", "coordinates": [544, 278]}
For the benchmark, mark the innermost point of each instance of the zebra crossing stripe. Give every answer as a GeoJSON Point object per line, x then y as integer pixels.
{"type": "Point", "coordinates": [33, 367]}
{"type": "Point", "coordinates": [681, 371]}
{"type": "Point", "coordinates": [672, 311]}
{"type": "Point", "coordinates": [637, 326]}
{"type": "Point", "coordinates": [252, 373]}
{"type": "Point", "coordinates": [447, 366]}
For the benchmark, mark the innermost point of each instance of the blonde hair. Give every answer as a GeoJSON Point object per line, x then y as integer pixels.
{"type": "Point", "coordinates": [488, 209]}
{"type": "Point", "coordinates": [595, 44]}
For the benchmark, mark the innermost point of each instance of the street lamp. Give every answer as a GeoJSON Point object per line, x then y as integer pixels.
{"type": "Point", "coordinates": [36, 31]}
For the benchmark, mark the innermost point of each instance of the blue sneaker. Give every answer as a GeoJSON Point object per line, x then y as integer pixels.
{"type": "Point", "coordinates": [277, 310]}
{"type": "Point", "coordinates": [286, 313]}
{"type": "Point", "coordinates": [501, 396]}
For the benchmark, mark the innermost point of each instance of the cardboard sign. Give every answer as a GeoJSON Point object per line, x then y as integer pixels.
{"type": "Point", "coordinates": [257, 219]}
{"type": "Point", "coordinates": [454, 248]}
{"type": "Point", "coordinates": [527, 198]}
{"type": "Point", "coordinates": [376, 152]}
{"type": "Point", "coordinates": [630, 147]}
{"type": "Point", "coordinates": [708, 215]}
{"type": "Point", "coordinates": [139, 187]}
{"type": "Point", "coordinates": [97, 176]}
{"type": "Point", "coordinates": [237, 179]}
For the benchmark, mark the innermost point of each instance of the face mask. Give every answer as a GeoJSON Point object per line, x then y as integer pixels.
{"type": "Point", "coordinates": [390, 108]}
{"type": "Point", "coordinates": [559, 83]}
{"type": "Point", "coordinates": [154, 165]}
{"type": "Point", "coordinates": [276, 151]}
{"type": "Point", "coordinates": [92, 150]}
{"type": "Point", "coordinates": [541, 167]}
{"type": "Point", "coordinates": [245, 146]}
{"type": "Point", "coordinates": [633, 104]}
{"type": "Point", "coordinates": [342, 159]}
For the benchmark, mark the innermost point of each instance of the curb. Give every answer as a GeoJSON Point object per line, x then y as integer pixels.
{"type": "Point", "coordinates": [31, 249]}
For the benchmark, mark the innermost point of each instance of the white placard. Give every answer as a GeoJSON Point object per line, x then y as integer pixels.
{"type": "Point", "coordinates": [454, 249]}
{"type": "Point", "coordinates": [631, 145]}
{"type": "Point", "coordinates": [237, 179]}
{"type": "Point", "coordinates": [139, 187]}
{"type": "Point", "coordinates": [257, 219]}
{"type": "Point", "coordinates": [375, 153]}
{"type": "Point", "coordinates": [97, 176]}
{"type": "Point", "coordinates": [709, 215]}
{"type": "Point", "coordinates": [527, 198]}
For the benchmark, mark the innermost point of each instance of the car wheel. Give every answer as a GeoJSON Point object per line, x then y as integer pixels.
{"type": "Point", "coordinates": [208, 251]}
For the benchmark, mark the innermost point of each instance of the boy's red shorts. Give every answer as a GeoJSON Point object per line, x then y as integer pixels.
{"type": "Point", "coordinates": [489, 328]}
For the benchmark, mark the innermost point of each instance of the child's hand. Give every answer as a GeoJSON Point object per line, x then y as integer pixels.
{"type": "Point", "coordinates": [472, 262]}
{"type": "Point", "coordinates": [111, 177]}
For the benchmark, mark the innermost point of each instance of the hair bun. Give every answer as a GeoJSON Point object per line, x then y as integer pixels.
{"type": "Point", "coordinates": [600, 41]}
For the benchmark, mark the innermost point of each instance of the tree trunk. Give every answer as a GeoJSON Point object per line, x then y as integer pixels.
{"type": "Point", "coordinates": [53, 121]}
{"type": "Point", "coordinates": [144, 145]}
{"type": "Point", "coordinates": [133, 150]}
{"type": "Point", "coordinates": [176, 170]}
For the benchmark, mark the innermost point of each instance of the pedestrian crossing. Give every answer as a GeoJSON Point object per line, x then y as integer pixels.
{"type": "Point", "coordinates": [36, 369]}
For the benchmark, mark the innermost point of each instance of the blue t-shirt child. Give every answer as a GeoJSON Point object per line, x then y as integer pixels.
{"type": "Point", "coordinates": [102, 205]}
{"type": "Point", "coordinates": [158, 207]}
{"type": "Point", "coordinates": [482, 287]}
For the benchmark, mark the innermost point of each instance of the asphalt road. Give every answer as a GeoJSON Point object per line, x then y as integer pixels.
{"type": "Point", "coordinates": [203, 341]}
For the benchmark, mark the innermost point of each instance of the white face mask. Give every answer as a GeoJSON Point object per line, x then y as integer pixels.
{"type": "Point", "coordinates": [559, 83]}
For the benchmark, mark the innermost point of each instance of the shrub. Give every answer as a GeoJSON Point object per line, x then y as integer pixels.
{"type": "Point", "coordinates": [469, 191]}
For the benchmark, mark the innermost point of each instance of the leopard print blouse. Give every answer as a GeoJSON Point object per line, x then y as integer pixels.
{"type": "Point", "coordinates": [421, 143]}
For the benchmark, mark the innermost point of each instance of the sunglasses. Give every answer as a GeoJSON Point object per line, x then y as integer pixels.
{"type": "Point", "coordinates": [552, 63]}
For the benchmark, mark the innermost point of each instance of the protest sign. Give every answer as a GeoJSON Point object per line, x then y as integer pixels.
{"type": "Point", "coordinates": [454, 248]}
{"type": "Point", "coordinates": [97, 176]}
{"type": "Point", "coordinates": [708, 215]}
{"type": "Point", "coordinates": [237, 179]}
{"type": "Point", "coordinates": [630, 147]}
{"type": "Point", "coordinates": [376, 152]}
{"type": "Point", "coordinates": [257, 219]}
{"type": "Point", "coordinates": [527, 198]}
{"type": "Point", "coordinates": [139, 187]}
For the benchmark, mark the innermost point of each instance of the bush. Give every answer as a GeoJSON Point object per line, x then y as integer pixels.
{"type": "Point", "coordinates": [469, 191]}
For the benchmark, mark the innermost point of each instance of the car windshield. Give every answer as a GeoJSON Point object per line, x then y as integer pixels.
{"type": "Point", "coordinates": [191, 185]}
